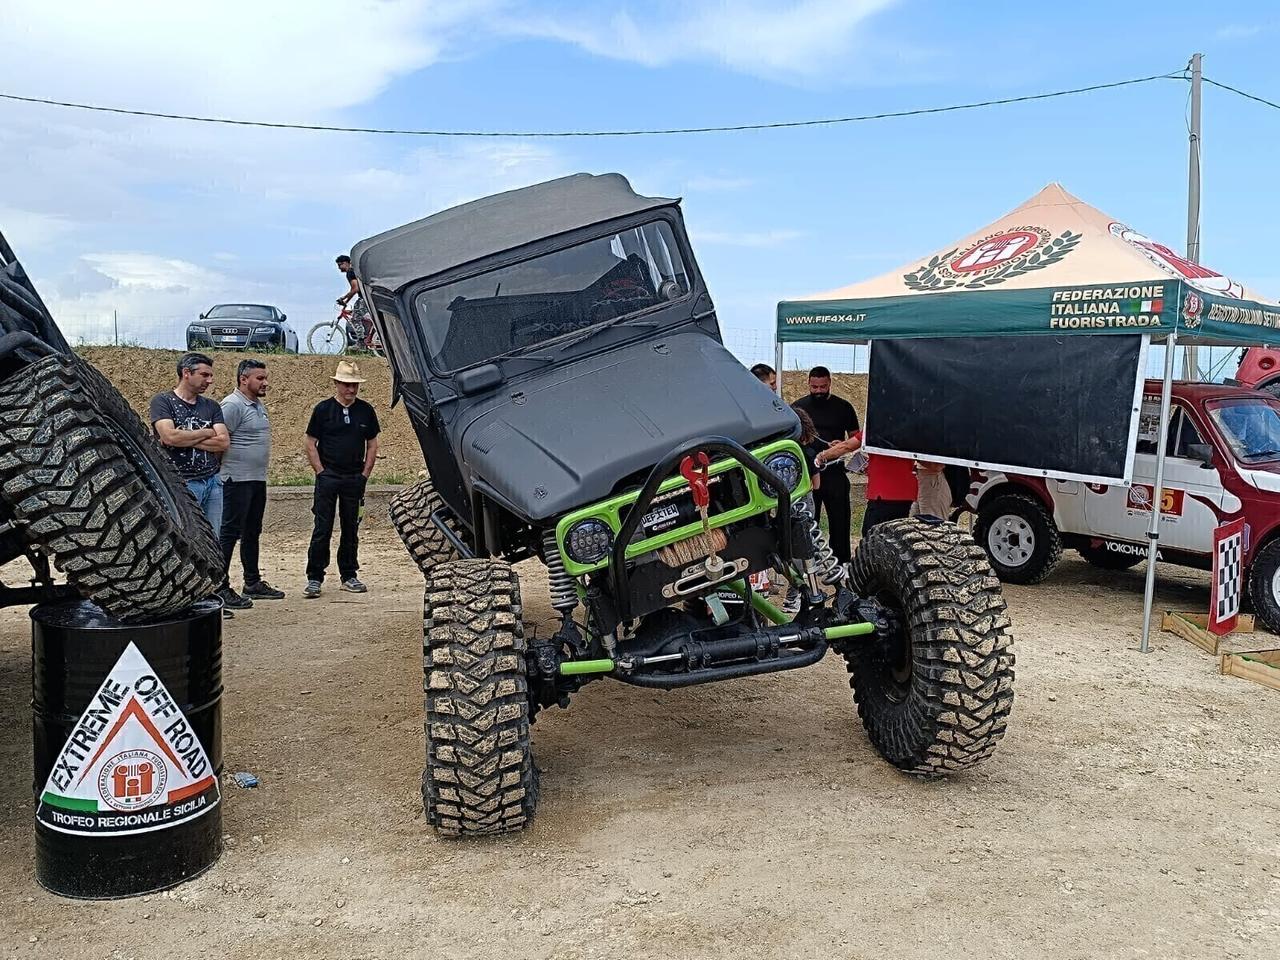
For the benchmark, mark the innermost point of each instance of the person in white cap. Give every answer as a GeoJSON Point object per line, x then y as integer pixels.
{"type": "Point", "coordinates": [342, 445]}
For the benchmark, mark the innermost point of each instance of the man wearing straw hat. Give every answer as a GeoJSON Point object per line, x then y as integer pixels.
{"type": "Point", "coordinates": [342, 445]}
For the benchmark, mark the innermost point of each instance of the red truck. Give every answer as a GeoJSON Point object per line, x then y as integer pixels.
{"type": "Point", "coordinates": [1223, 462]}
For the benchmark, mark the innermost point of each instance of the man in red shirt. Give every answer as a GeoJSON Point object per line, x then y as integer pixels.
{"type": "Point", "coordinates": [891, 482]}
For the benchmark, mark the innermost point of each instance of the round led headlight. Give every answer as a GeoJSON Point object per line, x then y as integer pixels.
{"type": "Point", "coordinates": [588, 541]}
{"type": "Point", "coordinates": [788, 468]}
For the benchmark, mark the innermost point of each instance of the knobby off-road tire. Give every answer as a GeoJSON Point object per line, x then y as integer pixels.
{"type": "Point", "coordinates": [87, 483]}
{"type": "Point", "coordinates": [935, 696]}
{"type": "Point", "coordinates": [1264, 585]}
{"type": "Point", "coordinates": [1020, 538]}
{"type": "Point", "coordinates": [410, 513]}
{"type": "Point", "coordinates": [480, 777]}
{"type": "Point", "coordinates": [1104, 559]}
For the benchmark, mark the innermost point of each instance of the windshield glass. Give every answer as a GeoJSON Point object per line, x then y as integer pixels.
{"type": "Point", "coordinates": [240, 311]}
{"type": "Point", "coordinates": [525, 304]}
{"type": "Point", "coordinates": [1251, 427]}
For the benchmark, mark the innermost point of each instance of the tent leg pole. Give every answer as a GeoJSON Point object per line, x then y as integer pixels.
{"type": "Point", "coordinates": [777, 362]}
{"type": "Point", "coordinates": [1157, 493]}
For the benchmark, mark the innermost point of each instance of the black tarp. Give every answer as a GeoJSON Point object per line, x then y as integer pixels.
{"type": "Point", "coordinates": [1057, 406]}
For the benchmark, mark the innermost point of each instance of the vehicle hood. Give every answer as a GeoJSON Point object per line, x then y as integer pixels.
{"type": "Point", "coordinates": [565, 440]}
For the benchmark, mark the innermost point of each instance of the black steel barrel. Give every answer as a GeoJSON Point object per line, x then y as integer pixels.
{"type": "Point", "coordinates": [127, 724]}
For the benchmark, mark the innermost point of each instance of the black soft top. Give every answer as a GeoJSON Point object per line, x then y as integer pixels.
{"type": "Point", "coordinates": [493, 225]}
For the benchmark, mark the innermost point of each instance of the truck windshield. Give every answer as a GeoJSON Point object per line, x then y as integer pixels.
{"type": "Point", "coordinates": [526, 304]}
{"type": "Point", "coordinates": [1251, 428]}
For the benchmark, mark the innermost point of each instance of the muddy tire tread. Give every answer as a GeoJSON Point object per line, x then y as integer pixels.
{"type": "Point", "coordinates": [480, 777]}
{"type": "Point", "coordinates": [961, 689]}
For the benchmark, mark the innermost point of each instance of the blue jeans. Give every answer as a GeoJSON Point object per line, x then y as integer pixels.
{"type": "Point", "coordinates": [208, 494]}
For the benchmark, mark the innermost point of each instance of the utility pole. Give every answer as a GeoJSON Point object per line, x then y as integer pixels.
{"type": "Point", "coordinates": [1190, 366]}
{"type": "Point", "coordinates": [115, 323]}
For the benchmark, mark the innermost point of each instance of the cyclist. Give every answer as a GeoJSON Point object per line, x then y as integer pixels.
{"type": "Point", "coordinates": [359, 313]}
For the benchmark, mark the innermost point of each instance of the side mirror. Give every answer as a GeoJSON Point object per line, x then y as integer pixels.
{"type": "Point", "coordinates": [202, 316]}
{"type": "Point", "coordinates": [284, 317]}
{"type": "Point", "coordinates": [1202, 452]}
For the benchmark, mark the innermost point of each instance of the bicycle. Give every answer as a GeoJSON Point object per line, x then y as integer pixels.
{"type": "Point", "coordinates": [350, 331]}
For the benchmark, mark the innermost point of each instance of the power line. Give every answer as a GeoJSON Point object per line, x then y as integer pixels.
{"type": "Point", "coordinates": [592, 133]}
{"type": "Point", "coordinates": [1247, 96]}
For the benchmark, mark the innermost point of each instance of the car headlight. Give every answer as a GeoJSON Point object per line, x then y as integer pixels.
{"type": "Point", "coordinates": [588, 541]}
{"type": "Point", "coordinates": [198, 328]}
{"type": "Point", "coordinates": [788, 468]}
{"type": "Point", "coordinates": [264, 329]}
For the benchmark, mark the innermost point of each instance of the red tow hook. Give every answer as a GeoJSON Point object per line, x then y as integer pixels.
{"type": "Point", "coordinates": [696, 468]}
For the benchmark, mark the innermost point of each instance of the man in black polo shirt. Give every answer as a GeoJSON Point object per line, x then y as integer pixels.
{"type": "Point", "coordinates": [835, 420]}
{"type": "Point", "coordinates": [342, 445]}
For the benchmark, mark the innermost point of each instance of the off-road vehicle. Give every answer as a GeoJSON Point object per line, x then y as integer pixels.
{"type": "Point", "coordinates": [558, 353]}
{"type": "Point", "coordinates": [83, 482]}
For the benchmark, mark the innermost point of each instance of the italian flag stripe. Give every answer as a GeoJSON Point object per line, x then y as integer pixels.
{"type": "Point", "coordinates": [68, 803]}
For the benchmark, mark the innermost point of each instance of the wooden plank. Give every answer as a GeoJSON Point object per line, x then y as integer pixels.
{"type": "Point", "coordinates": [1244, 625]}
{"type": "Point", "coordinates": [1180, 624]}
{"type": "Point", "coordinates": [1261, 667]}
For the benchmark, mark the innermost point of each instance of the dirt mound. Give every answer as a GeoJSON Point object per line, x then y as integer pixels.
{"type": "Point", "coordinates": [298, 383]}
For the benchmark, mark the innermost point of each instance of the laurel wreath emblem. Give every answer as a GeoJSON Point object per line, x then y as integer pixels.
{"type": "Point", "coordinates": [927, 277]}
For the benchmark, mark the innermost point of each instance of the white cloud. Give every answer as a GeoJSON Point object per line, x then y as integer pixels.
{"type": "Point", "coordinates": [1241, 31]}
{"type": "Point", "coordinates": [745, 238]}
{"type": "Point", "coordinates": [799, 40]}
{"type": "Point", "coordinates": [271, 60]}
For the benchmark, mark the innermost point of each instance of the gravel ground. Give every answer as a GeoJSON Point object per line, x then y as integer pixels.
{"type": "Point", "coordinates": [1132, 810]}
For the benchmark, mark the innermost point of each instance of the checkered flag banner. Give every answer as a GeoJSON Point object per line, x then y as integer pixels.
{"type": "Point", "coordinates": [1228, 576]}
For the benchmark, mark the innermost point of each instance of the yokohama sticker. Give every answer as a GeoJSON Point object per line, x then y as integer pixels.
{"type": "Point", "coordinates": [132, 762]}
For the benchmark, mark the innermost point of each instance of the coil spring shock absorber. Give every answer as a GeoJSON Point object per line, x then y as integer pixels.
{"type": "Point", "coordinates": [824, 563]}
{"type": "Point", "coordinates": [564, 597]}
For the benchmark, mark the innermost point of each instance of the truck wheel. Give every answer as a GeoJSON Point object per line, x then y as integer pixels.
{"type": "Point", "coordinates": [88, 484]}
{"type": "Point", "coordinates": [1019, 536]}
{"type": "Point", "coordinates": [935, 694]}
{"type": "Point", "coordinates": [480, 777]}
{"type": "Point", "coordinates": [1264, 585]}
{"type": "Point", "coordinates": [1104, 559]}
{"type": "Point", "coordinates": [410, 513]}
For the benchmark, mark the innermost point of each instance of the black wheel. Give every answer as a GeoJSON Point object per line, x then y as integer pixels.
{"type": "Point", "coordinates": [1104, 559]}
{"type": "Point", "coordinates": [480, 777]}
{"type": "Point", "coordinates": [87, 484]}
{"type": "Point", "coordinates": [410, 511]}
{"type": "Point", "coordinates": [1264, 585]}
{"type": "Point", "coordinates": [1020, 537]}
{"type": "Point", "coordinates": [935, 694]}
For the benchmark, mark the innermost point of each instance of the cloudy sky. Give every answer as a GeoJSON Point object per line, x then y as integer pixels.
{"type": "Point", "coordinates": [159, 219]}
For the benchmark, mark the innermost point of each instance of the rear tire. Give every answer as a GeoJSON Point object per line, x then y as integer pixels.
{"type": "Point", "coordinates": [88, 484]}
{"type": "Point", "coordinates": [410, 512]}
{"type": "Point", "coordinates": [480, 777]}
{"type": "Point", "coordinates": [1104, 559]}
{"type": "Point", "coordinates": [1019, 536]}
{"type": "Point", "coordinates": [1264, 585]}
{"type": "Point", "coordinates": [935, 695]}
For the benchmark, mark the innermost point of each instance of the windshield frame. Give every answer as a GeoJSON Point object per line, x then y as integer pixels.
{"type": "Point", "coordinates": [546, 247]}
{"type": "Point", "coordinates": [272, 314]}
{"type": "Point", "coordinates": [1229, 439]}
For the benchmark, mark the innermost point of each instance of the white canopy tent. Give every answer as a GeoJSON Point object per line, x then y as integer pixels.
{"type": "Point", "coordinates": [1052, 266]}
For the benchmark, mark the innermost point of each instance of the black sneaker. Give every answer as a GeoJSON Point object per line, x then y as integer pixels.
{"type": "Point", "coordinates": [262, 591]}
{"type": "Point", "coordinates": [233, 600]}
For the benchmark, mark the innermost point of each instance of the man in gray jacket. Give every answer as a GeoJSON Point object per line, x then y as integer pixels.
{"type": "Point", "coordinates": [244, 483]}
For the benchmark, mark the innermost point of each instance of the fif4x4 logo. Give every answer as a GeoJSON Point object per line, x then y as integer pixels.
{"type": "Point", "coordinates": [994, 259]}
